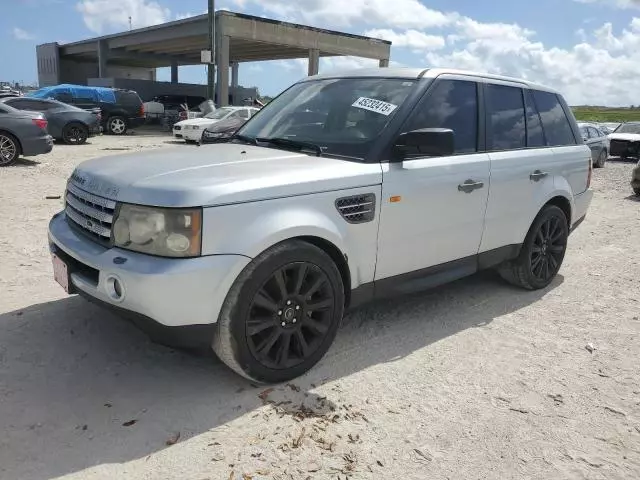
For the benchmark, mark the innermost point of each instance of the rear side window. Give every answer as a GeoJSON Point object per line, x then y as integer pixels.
{"type": "Point", "coordinates": [506, 127]}
{"type": "Point", "coordinates": [128, 98]}
{"type": "Point", "coordinates": [594, 133]}
{"type": "Point", "coordinates": [451, 104]}
{"type": "Point", "coordinates": [555, 123]}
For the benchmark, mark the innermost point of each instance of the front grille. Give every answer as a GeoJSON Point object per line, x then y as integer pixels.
{"type": "Point", "coordinates": [357, 208]}
{"type": "Point", "coordinates": [92, 214]}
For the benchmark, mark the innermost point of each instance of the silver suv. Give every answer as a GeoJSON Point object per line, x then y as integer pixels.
{"type": "Point", "coordinates": [343, 189]}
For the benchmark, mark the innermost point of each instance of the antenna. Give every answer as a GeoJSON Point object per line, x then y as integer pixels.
{"type": "Point", "coordinates": [129, 22]}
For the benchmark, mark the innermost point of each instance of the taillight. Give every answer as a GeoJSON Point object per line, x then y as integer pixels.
{"type": "Point", "coordinates": [141, 110]}
{"type": "Point", "coordinates": [590, 172]}
{"type": "Point", "coordinates": [40, 122]}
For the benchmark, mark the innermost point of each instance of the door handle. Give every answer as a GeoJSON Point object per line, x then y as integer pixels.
{"type": "Point", "coordinates": [469, 186]}
{"type": "Point", "coordinates": [538, 175]}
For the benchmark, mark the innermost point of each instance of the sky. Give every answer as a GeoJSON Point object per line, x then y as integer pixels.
{"type": "Point", "coordinates": [588, 49]}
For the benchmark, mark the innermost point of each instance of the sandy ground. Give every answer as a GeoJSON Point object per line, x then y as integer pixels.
{"type": "Point", "coordinates": [474, 380]}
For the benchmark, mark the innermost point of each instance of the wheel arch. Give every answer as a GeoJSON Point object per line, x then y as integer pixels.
{"type": "Point", "coordinates": [338, 257]}
{"type": "Point", "coordinates": [564, 204]}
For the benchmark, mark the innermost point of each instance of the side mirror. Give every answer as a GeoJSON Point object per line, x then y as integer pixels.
{"type": "Point", "coordinates": [426, 142]}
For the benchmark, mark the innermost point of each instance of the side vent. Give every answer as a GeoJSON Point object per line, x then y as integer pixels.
{"type": "Point", "coordinates": [357, 208]}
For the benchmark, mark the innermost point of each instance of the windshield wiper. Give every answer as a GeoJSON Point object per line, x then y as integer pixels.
{"type": "Point", "coordinates": [243, 138]}
{"type": "Point", "coordinates": [287, 142]}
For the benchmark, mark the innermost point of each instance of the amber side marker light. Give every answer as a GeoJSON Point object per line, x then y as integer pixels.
{"type": "Point", "coordinates": [395, 199]}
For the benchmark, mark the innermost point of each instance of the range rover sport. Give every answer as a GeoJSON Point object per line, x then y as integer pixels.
{"type": "Point", "coordinates": [343, 189]}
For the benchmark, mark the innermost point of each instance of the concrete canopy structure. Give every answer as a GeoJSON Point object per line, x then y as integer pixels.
{"type": "Point", "coordinates": [238, 38]}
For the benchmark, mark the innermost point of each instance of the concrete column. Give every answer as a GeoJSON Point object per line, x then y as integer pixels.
{"type": "Point", "coordinates": [384, 62]}
{"type": "Point", "coordinates": [103, 55]}
{"type": "Point", "coordinates": [222, 68]}
{"type": "Point", "coordinates": [235, 68]}
{"type": "Point", "coordinates": [174, 71]}
{"type": "Point", "coordinates": [314, 61]}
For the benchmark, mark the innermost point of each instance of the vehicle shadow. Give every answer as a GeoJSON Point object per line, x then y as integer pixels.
{"type": "Point", "coordinates": [80, 388]}
{"type": "Point", "coordinates": [633, 198]}
{"type": "Point", "coordinates": [24, 163]}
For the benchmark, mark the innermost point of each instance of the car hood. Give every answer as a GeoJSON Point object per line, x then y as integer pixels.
{"type": "Point", "coordinates": [630, 137]}
{"type": "Point", "coordinates": [218, 174]}
{"type": "Point", "coordinates": [197, 121]}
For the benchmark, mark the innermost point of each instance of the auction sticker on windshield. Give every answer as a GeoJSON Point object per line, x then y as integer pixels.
{"type": "Point", "coordinates": [374, 105]}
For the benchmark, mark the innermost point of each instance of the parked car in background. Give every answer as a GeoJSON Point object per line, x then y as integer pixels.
{"type": "Point", "coordinates": [597, 141]}
{"type": "Point", "coordinates": [258, 246]}
{"type": "Point", "coordinates": [222, 131]}
{"type": "Point", "coordinates": [70, 124]}
{"type": "Point", "coordinates": [191, 130]}
{"type": "Point", "coordinates": [22, 133]}
{"type": "Point", "coordinates": [635, 179]}
{"type": "Point", "coordinates": [624, 142]}
{"type": "Point", "coordinates": [121, 109]}
{"type": "Point", "coordinates": [608, 127]}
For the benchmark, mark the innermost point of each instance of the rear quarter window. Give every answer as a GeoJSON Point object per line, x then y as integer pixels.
{"type": "Point", "coordinates": [557, 129]}
{"type": "Point", "coordinates": [128, 98]}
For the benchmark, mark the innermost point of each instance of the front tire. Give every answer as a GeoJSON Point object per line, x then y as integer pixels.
{"type": "Point", "coordinates": [282, 313]}
{"type": "Point", "coordinates": [9, 149]}
{"type": "Point", "coordinates": [542, 252]}
{"type": "Point", "coordinates": [602, 159]}
{"type": "Point", "coordinates": [637, 192]}
{"type": "Point", "coordinates": [117, 125]}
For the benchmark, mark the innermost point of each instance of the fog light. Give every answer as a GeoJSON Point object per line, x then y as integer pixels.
{"type": "Point", "coordinates": [115, 288]}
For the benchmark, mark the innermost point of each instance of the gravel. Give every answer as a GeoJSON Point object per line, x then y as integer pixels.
{"type": "Point", "coordinates": [472, 380]}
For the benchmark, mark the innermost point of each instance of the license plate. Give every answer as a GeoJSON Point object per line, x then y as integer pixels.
{"type": "Point", "coordinates": [60, 272]}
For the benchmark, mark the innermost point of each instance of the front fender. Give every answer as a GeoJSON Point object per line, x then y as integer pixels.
{"type": "Point", "coordinates": [251, 228]}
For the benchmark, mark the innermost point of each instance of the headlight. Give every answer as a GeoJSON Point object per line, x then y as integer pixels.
{"type": "Point", "coordinates": [166, 232]}
{"type": "Point", "coordinates": [209, 134]}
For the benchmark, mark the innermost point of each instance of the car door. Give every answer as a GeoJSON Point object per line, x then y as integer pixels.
{"type": "Point", "coordinates": [429, 217]}
{"type": "Point", "coordinates": [591, 139]}
{"type": "Point", "coordinates": [598, 139]}
{"type": "Point", "coordinates": [519, 160]}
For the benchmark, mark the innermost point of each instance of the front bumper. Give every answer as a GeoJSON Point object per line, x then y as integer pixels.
{"type": "Point", "coordinates": [191, 134]}
{"type": "Point", "coordinates": [581, 204]}
{"type": "Point", "coordinates": [172, 292]}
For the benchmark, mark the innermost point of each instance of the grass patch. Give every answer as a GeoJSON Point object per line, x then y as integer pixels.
{"type": "Point", "coordinates": [604, 114]}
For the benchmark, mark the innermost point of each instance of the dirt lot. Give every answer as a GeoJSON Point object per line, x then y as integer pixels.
{"type": "Point", "coordinates": [472, 380]}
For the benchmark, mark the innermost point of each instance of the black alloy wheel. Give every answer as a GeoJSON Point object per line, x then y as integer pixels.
{"type": "Point", "coordinates": [542, 252]}
{"type": "Point", "coordinates": [548, 249]}
{"type": "Point", "coordinates": [281, 314]}
{"type": "Point", "coordinates": [290, 315]}
{"type": "Point", "coordinates": [75, 134]}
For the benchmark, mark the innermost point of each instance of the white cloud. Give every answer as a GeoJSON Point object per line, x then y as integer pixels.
{"type": "Point", "coordinates": [410, 38]}
{"type": "Point", "coordinates": [20, 34]}
{"type": "Point", "coordinates": [338, 13]}
{"type": "Point", "coordinates": [102, 15]}
{"type": "Point", "coordinates": [614, 3]}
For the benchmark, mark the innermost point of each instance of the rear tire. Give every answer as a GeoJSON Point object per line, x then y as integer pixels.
{"type": "Point", "coordinates": [75, 134]}
{"type": "Point", "coordinates": [602, 159]}
{"type": "Point", "coordinates": [637, 192]}
{"type": "Point", "coordinates": [282, 313]}
{"type": "Point", "coordinates": [542, 252]}
{"type": "Point", "coordinates": [9, 149]}
{"type": "Point", "coordinates": [117, 125]}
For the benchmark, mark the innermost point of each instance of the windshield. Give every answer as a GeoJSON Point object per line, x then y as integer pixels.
{"type": "Point", "coordinates": [628, 128]}
{"type": "Point", "coordinates": [219, 113]}
{"type": "Point", "coordinates": [342, 116]}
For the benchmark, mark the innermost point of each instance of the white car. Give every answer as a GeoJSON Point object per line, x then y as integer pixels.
{"type": "Point", "coordinates": [343, 189]}
{"type": "Point", "coordinates": [191, 130]}
{"type": "Point", "coordinates": [624, 142]}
